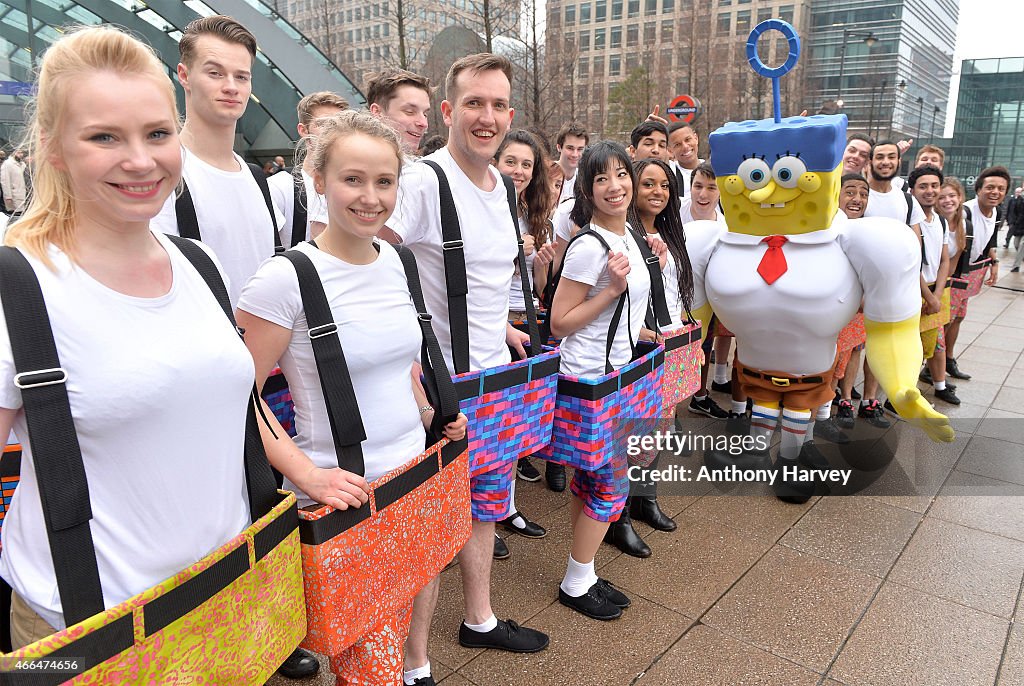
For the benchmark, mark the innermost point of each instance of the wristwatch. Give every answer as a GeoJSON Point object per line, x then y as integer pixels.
{"type": "Point", "coordinates": [425, 409]}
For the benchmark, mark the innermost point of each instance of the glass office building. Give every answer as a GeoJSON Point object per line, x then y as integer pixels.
{"type": "Point", "coordinates": [989, 127]}
{"type": "Point", "coordinates": [893, 74]}
{"type": "Point", "coordinates": [287, 65]}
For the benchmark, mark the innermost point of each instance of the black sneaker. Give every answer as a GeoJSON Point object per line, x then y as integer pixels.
{"type": "Point", "coordinates": [872, 411]}
{"type": "Point", "coordinates": [738, 424]}
{"type": "Point", "coordinates": [948, 395]}
{"type": "Point", "coordinates": [506, 636]}
{"type": "Point", "coordinates": [889, 407]}
{"type": "Point", "coordinates": [301, 664]}
{"type": "Point", "coordinates": [526, 470]}
{"type": "Point", "coordinates": [827, 430]}
{"type": "Point", "coordinates": [594, 604]}
{"type": "Point", "coordinates": [952, 369]}
{"type": "Point", "coordinates": [722, 387]}
{"type": "Point", "coordinates": [616, 596]}
{"type": "Point", "coordinates": [855, 394]}
{"type": "Point", "coordinates": [707, 407]}
{"type": "Point", "coordinates": [1015, 270]}
{"type": "Point", "coordinates": [926, 375]}
{"type": "Point", "coordinates": [528, 530]}
{"type": "Point", "coordinates": [844, 416]}
{"type": "Point", "coordinates": [501, 551]}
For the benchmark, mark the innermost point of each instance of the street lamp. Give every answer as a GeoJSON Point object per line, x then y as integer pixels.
{"type": "Point", "coordinates": [934, 113]}
{"type": "Point", "coordinates": [920, 115]}
{"type": "Point", "coordinates": [869, 40]}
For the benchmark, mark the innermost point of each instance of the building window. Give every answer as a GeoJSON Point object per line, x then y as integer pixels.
{"type": "Point", "coordinates": [570, 14]}
{"type": "Point", "coordinates": [632, 35]}
{"type": "Point", "coordinates": [724, 23]}
{"type": "Point", "coordinates": [616, 9]}
{"type": "Point", "coordinates": [668, 29]}
{"type": "Point", "coordinates": [584, 68]}
{"type": "Point", "coordinates": [650, 8]}
{"type": "Point", "coordinates": [633, 9]}
{"type": "Point", "coordinates": [584, 41]}
{"type": "Point", "coordinates": [666, 58]}
{"type": "Point", "coordinates": [616, 41]}
{"type": "Point", "coordinates": [614, 65]}
{"type": "Point", "coordinates": [599, 38]}
{"type": "Point", "coordinates": [724, 3]}
{"type": "Point", "coordinates": [764, 14]}
{"type": "Point", "coordinates": [598, 69]}
{"type": "Point", "coordinates": [650, 32]}
{"type": "Point", "coordinates": [600, 10]}
{"type": "Point", "coordinates": [786, 13]}
{"type": "Point", "coordinates": [743, 22]}
{"type": "Point", "coordinates": [585, 13]}
{"type": "Point", "coordinates": [632, 62]}
{"type": "Point", "coordinates": [387, 30]}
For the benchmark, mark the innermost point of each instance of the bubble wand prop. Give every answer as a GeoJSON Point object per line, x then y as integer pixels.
{"type": "Point", "coordinates": [776, 73]}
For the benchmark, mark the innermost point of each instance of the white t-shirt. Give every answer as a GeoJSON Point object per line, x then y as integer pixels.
{"type": "Point", "coordinates": [984, 227]}
{"type": "Point", "coordinates": [282, 191]}
{"type": "Point", "coordinates": [516, 301]}
{"type": "Point", "coordinates": [893, 205]}
{"type": "Point", "coordinates": [380, 337]}
{"type": "Point", "coordinates": [159, 389]}
{"type": "Point", "coordinates": [560, 222]}
{"type": "Point", "coordinates": [568, 188]}
{"type": "Point", "coordinates": [934, 239]}
{"type": "Point", "coordinates": [490, 248]}
{"type": "Point", "coordinates": [232, 215]}
{"type": "Point", "coordinates": [586, 261]}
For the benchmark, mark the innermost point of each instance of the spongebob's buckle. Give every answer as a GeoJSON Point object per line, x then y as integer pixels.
{"type": "Point", "coordinates": [776, 381]}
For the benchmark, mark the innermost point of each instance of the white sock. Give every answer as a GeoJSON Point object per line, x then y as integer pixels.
{"type": "Point", "coordinates": [518, 521]}
{"type": "Point", "coordinates": [794, 430]}
{"type": "Point", "coordinates": [578, 578]}
{"type": "Point", "coordinates": [763, 421]}
{"type": "Point", "coordinates": [488, 625]}
{"type": "Point", "coordinates": [739, 406]}
{"type": "Point", "coordinates": [721, 373]}
{"type": "Point", "coordinates": [410, 676]}
{"type": "Point", "coordinates": [700, 396]}
{"type": "Point", "coordinates": [940, 385]}
{"type": "Point", "coordinates": [824, 412]}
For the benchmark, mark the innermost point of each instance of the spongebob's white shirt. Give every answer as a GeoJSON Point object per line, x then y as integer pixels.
{"type": "Point", "coordinates": [792, 324]}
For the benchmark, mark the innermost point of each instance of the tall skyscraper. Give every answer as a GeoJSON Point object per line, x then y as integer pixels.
{"type": "Point", "coordinates": [889, 62]}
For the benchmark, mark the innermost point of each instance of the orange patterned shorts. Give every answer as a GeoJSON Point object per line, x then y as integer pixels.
{"type": "Point", "coordinates": [376, 658]}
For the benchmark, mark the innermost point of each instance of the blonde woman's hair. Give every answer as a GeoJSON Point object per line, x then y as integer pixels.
{"type": "Point", "coordinates": [339, 126]}
{"type": "Point", "coordinates": [51, 214]}
{"type": "Point", "coordinates": [956, 221]}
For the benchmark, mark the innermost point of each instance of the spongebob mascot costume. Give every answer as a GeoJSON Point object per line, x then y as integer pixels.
{"type": "Point", "coordinates": [791, 271]}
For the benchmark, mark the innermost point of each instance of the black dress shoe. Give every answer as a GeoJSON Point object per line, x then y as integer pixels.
{"type": "Point", "coordinates": [300, 665]}
{"type": "Point", "coordinates": [621, 535]}
{"type": "Point", "coordinates": [812, 457]}
{"type": "Point", "coordinates": [594, 604]}
{"type": "Point", "coordinates": [788, 487]}
{"type": "Point", "coordinates": [854, 394]}
{"type": "Point", "coordinates": [554, 474]}
{"type": "Point", "coordinates": [425, 681]}
{"type": "Point", "coordinates": [926, 375]}
{"type": "Point", "coordinates": [506, 636]}
{"type": "Point", "coordinates": [529, 529]}
{"type": "Point", "coordinates": [953, 369]}
{"type": "Point", "coordinates": [738, 423]}
{"type": "Point", "coordinates": [615, 595]}
{"type": "Point", "coordinates": [722, 387]}
{"type": "Point", "coordinates": [948, 395]}
{"type": "Point", "coordinates": [646, 509]}
{"type": "Point", "coordinates": [828, 430]}
{"type": "Point", "coordinates": [501, 551]}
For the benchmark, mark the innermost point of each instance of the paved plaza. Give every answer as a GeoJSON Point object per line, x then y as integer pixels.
{"type": "Point", "coordinates": [917, 579]}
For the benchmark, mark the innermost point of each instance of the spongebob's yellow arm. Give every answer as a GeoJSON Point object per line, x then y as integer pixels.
{"type": "Point", "coordinates": [894, 353]}
{"type": "Point", "coordinates": [703, 313]}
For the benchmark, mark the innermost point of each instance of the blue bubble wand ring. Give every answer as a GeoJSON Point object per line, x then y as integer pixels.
{"type": "Point", "coordinates": [762, 69]}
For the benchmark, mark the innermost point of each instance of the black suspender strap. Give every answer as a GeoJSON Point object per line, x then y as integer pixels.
{"type": "Point", "coordinates": [456, 282]}
{"type": "Point", "coordinates": [657, 312]}
{"type": "Point", "coordinates": [680, 182]}
{"type": "Point", "coordinates": [531, 311]}
{"type": "Point", "coordinates": [188, 222]}
{"type": "Point", "coordinates": [63, 487]}
{"type": "Point", "coordinates": [346, 423]}
{"type": "Point", "coordinates": [259, 477]}
{"type": "Point", "coordinates": [910, 206]}
{"type": "Point", "coordinates": [57, 455]}
{"type": "Point", "coordinates": [299, 209]}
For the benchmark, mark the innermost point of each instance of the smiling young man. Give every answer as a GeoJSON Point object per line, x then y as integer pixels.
{"type": "Point", "coordinates": [231, 212]}
{"type": "Point", "coordinates": [570, 143]}
{"type": "Point", "coordinates": [402, 99]}
{"type": "Point", "coordinates": [649, 140]}
{"type": "Point", "coordinates": [683, 146]}
{"type": "Point", "coordinates": [991, 187]}
{"type": "Point", "coordinates": [702, 202]}
{"type": "Point", "coordinates": [857, 154]}
{"type": "Point", "coordinates": [478, 114]}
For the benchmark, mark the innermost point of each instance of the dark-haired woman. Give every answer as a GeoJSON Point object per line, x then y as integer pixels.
{"type": "Point", "coordinates": [593, 279]}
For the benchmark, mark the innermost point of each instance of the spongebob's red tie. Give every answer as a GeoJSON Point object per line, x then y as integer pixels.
{"type": "Point", "coordinates": [773, 264]}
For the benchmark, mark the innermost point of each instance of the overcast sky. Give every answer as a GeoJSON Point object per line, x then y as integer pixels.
{"type": "Point", "coordinates": [987, 28]}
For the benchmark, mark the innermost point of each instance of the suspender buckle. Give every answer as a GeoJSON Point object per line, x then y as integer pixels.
{"type": "Point", "coordinates": [278, 249]}
{"type": "Point", "coordinates": [42, 377]}
{"type": "Point", "coordinates": [452, 245]}
{"type": "Point", "coordinates": [653, 259]}
{"type": "Point", "coordinates": [424, 317]}
{"type": "Point", "coordinates": [323, 330]}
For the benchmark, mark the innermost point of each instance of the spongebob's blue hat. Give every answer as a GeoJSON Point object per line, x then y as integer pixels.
{"type": "Point", "coordinates": [818, 140]}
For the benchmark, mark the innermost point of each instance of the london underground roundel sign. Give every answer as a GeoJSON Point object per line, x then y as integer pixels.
{"type": "Point", "coordinates": [684, 108]}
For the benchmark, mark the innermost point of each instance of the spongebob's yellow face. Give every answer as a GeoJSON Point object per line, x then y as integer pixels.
{"type": "Point", "coordinates": [783, 198]}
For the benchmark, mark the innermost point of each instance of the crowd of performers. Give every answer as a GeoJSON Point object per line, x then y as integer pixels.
{"type": "Point", "coordinates": [380, 314]}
